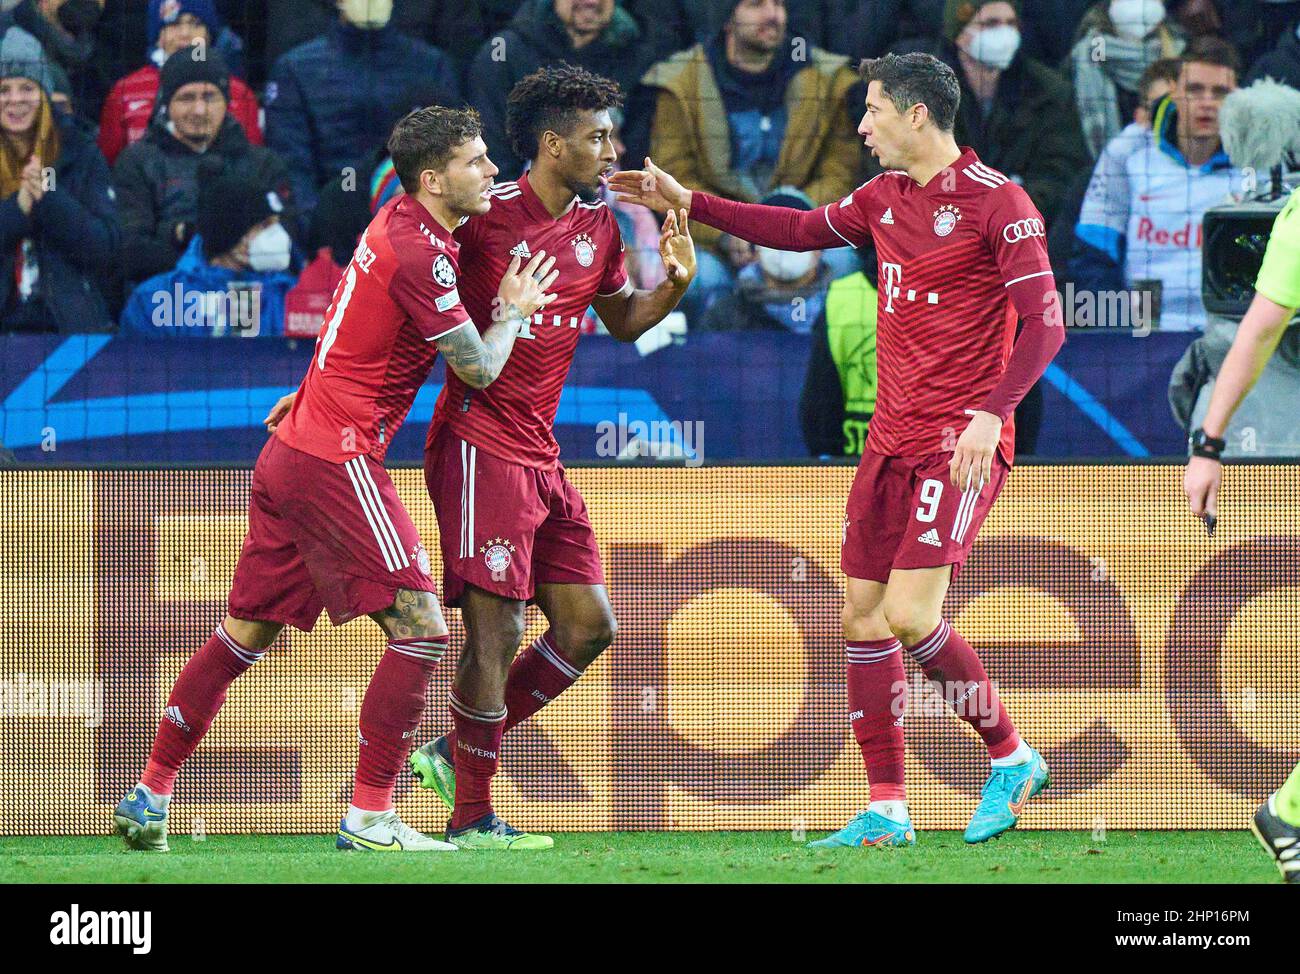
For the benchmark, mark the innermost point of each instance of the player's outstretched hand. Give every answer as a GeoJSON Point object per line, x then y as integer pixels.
{"type": "Point", "coordinates": [526, 287]}
{"type": "Point", "coordinates": [677, 250]}
{"type": "Point", "coordinates": [972, 459]}
{"type": "Point", "coordinates": [650, 187]}
{"type": "Point", "coordinates": [1201, 484]}
{"type": "Point", "coordinates": [279, 411]}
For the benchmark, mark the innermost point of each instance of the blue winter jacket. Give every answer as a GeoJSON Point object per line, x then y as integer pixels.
{"type": "Point", "coordinates": [197, 300]}
{"type": "Point", "coordinates": [331, 100]}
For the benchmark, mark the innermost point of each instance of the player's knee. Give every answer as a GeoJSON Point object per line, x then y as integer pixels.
{"type": "Point", "coordinates": [907, 622]}
{"type": "Point", "coordinates": [863, 623]}
{"type": "Point", "coordinates": [596, 637]}
{"type": "Point", "coordinates": [584, 642]}
{"type": "Point", "coordinates": [413, 613]}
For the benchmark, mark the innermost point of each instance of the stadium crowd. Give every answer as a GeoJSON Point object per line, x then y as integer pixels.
{"type": "Point", "coordinates": [190, 168]}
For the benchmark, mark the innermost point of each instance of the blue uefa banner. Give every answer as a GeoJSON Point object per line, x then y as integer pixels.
{"type": "Point", "coordinates": [109, 399]}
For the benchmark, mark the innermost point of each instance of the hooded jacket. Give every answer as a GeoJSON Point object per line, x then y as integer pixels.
{"type": "Point", "coordinates": [157, 188]}
{"type": "Point", "coordinates": [536, 37]}
{"type": "Point", "coordinates": [1141, 222]}
{"type": "Point", "coordinates": [74, 233]}
{"type": "Point", "coordinates": [691, 138]}
{"type": "Point", "coordinates": [194, 300]}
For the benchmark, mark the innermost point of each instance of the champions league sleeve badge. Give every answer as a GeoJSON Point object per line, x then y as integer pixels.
{"type": "Point", "coordinates": [443, 273]}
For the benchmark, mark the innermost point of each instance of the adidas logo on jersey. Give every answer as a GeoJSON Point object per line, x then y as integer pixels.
{"type": "Point", "coordinates": [889, 216]}
{"type": "Point", "coordinates": [521, 251]}
{"type": "Point", "coordinates": [931, 537]}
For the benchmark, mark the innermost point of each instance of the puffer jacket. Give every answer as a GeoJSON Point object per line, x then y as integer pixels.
{"type": "Point", "coordinates": [329, 100]}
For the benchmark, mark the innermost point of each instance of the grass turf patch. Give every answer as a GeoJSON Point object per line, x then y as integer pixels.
{"type": "Point", "coordinates": [654, 857]}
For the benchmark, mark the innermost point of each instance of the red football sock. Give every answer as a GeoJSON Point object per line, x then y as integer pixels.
{"type": "Point", "coordinates": [197, 695]}
{"type": "Point", "coordinates": [877, 691]}
{"type": "Point", "coordinates": [951, 663]}
{"type": "Point", "coordinates": [537, 676]}
{"type": "Point", "coordinates": [390, 713]}
{"type": "Point", "coordinates": [477, 755]}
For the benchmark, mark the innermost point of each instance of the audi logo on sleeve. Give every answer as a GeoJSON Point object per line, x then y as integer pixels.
{"type": "Point", "coordinates": [1023, 230]}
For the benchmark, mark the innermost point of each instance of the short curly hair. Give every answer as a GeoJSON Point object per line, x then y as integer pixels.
{"type": "Point", "coordinates": [550, 99]}
{"type": "Point", "coordinates": [426, 139]}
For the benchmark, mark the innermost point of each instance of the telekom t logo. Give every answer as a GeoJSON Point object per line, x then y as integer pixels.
{"type": "Point", "coordinates": [893, 274]}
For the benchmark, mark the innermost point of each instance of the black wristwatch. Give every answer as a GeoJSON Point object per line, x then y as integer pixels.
{"type": "Point", "coordinates": [1203, 445]}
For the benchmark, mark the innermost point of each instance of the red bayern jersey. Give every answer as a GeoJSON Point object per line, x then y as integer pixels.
{"type": "Point", "coordinates": [947, 252]}
{"type": "Point", "coordinates": [376, 346]}
{"type": "Point", "coordinates": [514, 417]}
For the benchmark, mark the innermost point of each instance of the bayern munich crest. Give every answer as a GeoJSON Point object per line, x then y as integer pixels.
{"type": "Point", "coordinates": [945, 219]}
{"type": "Point", "coordinates": [421, 559]}
{"type": "Point", "coordinates": [584, 249]}
{"type": "Point", "coordinates": [496, 554]}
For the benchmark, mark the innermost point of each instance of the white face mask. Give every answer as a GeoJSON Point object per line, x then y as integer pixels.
{"type": "Point", "coordinates": [270, 249]}
{"type": "Point", "coordinates": [1136, 18]}
{"type": "Point", "coordinates": [995, 46]}
{"type": "Point", "coordinates": [785, 265]}
{"type": "Point", "coordinates": [367, 14]}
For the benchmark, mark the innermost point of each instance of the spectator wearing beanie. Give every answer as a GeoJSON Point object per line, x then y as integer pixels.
{"type": "Point", "coordinates": [65, 29]}
{"type": "Point", "coordinates": [235, 273]}
{"type": "Point", "coordinates": [173, 24]}
{"type": "Point", "coordinates": [156, 178]}
{"type": "Point", "coordinates": [327, 100]}
{"type": "Point", "coordinates": [58, 225]}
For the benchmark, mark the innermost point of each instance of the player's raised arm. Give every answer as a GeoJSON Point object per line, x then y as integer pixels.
{"type": "Point", "coordinates": [478, 360]}
{"type": "Point", "coordinates": [778, 227]}
{"type": "Point", "coordinates": [629, 313]}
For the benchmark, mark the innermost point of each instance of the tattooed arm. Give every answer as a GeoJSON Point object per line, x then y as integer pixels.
{"type": "Point", "coordinates": [478, 360]}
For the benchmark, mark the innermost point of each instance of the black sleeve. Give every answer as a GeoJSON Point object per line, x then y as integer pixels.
{"type": "Point", "coordinates": [821, 404]}
{"type": "Point", "coordinates": [148, 247]}
{"type": "Point", "coordinates": [489, 83]}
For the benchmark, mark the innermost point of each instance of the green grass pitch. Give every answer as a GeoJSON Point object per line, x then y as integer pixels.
{"type": "Point", "coordinates": [655, 857]}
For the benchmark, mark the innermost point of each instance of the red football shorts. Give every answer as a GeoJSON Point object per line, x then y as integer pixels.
{"type": "Point", "coordinates": [324, 535]}
{"type": "Point", "coordinates": [504, 527]}
{"type": "Point", "coordinates": [904, 512]}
